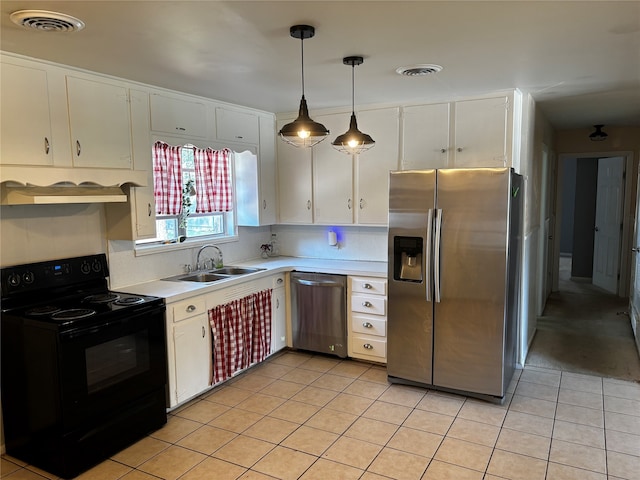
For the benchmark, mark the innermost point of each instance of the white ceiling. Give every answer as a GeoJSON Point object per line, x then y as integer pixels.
{"type": "Point", "coordinates": [579, 59]}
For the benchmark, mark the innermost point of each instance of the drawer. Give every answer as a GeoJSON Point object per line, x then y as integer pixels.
{"type": "Point", "coordinates": [363, 345]}
{"type": "Point", "coordinates": [188, 308]}
{"type": "Point", "coordinates": [372, 286]}
{"type": "Point", "coordinates": [369, 325]}
{"type": "Point", "coordinates": [369, 304]}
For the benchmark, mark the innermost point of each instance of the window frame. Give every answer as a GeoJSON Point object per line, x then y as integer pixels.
{"type": "Point", "coordinates": [155, 245]}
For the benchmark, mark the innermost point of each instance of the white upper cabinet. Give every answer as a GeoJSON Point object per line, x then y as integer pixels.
{"type": "Point", "coordinates": [294, 182]}
{"type": "Point", "coordinates": [100, 124]}
{"type": "Point", "coordinates": [178, 116]}
{"type": "Point", "coordinates": [237, 126]}
{"type": "Point", "coordinates": [467, 133]}
{"type": "Point", "coordinates": [26, 121]}
{"type": "Point", "coordinates": [481, 137]}
{"type": "Point", "coordinates": [371, 202]}
{"type": "Point", "coordinates": [426, 136]}
{"type": "Point", "coordinates": [332, 175]}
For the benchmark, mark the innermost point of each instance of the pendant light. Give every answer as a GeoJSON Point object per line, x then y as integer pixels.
{"type": "Point", "coordinates": [353, 141]}
{"type": "Point", "coordinates": [303, 132]}
{"type": "Point", "coordinates": [598, 135]}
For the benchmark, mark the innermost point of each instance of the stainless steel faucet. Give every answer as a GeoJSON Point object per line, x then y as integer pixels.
{"type": "Point", "coordinates": [218, 262]}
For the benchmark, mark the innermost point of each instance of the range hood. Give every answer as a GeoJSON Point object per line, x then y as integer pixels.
{"type": "Point", "coordinates": [46, 186]}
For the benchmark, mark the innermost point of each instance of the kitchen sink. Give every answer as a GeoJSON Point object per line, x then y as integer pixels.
{"type": "Point", "coordinates": [223, 273]}
{"type": "Point", "coordinates": [235, 270]}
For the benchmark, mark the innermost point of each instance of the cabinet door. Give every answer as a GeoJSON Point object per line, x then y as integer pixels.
{"type": "Point", "coordinates": [373, 166]}
{"type": "Point", "coordinates": [332, 176]}
{"type": "Point", "coordinates": [193, 356]}
{"type": "Point", "coordinates": [267, 155]}
{"type": "Point", "coordinates": [26, 122]}
{"type": "Point", "coordinates": [425, 136]}
{"type": "Point", "coordinates": [100, 125]}
{"type": "Point", "coordinates": [481, 132]}
{"type": "Point", "coordinates": [237, 126]}
{"type": "Point", "coordinates": [178, 116]}
{"type": "Point", "coordinates": [278, 326]}
{"type": "Point", "coordinates": [294, 183]}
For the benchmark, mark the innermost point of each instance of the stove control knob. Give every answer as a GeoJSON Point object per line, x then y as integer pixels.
{"type": "Point", "coordinates": [97, 266]}
{"type": "Point", "coordinates": [85, 267]}
{"type": "Point", "coordinates": [28, 277]}
{"type": "Point", "coordinates": [13, 280]}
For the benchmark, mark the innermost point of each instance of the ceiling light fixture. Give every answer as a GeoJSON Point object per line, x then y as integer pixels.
{"type": "Point", "coordinates": [303, 132]}
{"type": "Point", "coordinates": [419, 70]}
{"type": "Point", "coordinates": [598, 135]}
{"type": "Point", "coordinates": [353, 142]}
{"type": "Point", "coordinates": [46, 21]}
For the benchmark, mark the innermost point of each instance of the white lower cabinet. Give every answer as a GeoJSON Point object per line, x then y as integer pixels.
{"type": "Point", "coordinates": [189, 349]}
{"type": "Point", "coordinates": [279, 315]}
{"type": "Point", "coordinates": [367, 330]}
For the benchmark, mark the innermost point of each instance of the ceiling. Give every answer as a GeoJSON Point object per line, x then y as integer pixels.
{"type": "Point", "coordinates": [580, 60]}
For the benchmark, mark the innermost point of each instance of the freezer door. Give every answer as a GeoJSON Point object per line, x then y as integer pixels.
{"type": "Point", "coordinates": [410, 307]}
{"type": "Point", "coordinates": [469, 325]}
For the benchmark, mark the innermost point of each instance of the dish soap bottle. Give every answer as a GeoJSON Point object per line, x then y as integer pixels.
{"type": "Point", "coordinates": [275, 248]}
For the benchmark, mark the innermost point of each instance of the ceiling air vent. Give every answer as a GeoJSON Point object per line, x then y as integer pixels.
{"type": "Point", "coordinates": [46, 21]}
{"type": "Point", "coordinates": [418, 70]}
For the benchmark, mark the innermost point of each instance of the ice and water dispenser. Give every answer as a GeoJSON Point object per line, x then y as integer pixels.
{"type": "Point", "coordinates": [407, 259]}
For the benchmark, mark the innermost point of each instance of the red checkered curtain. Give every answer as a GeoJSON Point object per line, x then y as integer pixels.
{"type": "Point", "coordinates": [241, 334]}
{"type": "Point", "coordinates": [167, 179]}
{"type": "Point", "coordinates": [213, 180]}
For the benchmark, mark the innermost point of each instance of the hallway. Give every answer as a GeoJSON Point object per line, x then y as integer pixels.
{"type": "Point", "coordinates": [584, 330]}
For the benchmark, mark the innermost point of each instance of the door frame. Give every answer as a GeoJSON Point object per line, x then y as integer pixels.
{"type": "Point", "coordinates": [627, 214]}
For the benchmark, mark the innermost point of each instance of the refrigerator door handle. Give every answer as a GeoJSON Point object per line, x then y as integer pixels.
{"type": "Point", "coordinates": [428, 253]}
{"type": "Point", "coordinates": [436, 254]}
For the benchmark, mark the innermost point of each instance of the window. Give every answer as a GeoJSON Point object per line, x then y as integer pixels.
{"type": "Point", "coordinates": [193, 190]}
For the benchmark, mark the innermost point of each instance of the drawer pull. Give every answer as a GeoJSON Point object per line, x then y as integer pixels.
{"type": "Point", "coordinates": [367, 286]}
{"type": "Point", "coordinates": [279, 281]}
{"type": "Point", "coordinates": [191, 308]}
{"type": "Point", "coordinates": [203, 332]}
{"type": "Point", "coordinates": [367, 325]}
{"type": "Point", "coordinates": [367, 304]}
{"type": "Point", "coordinates": [46, 146]}
{"type": "Point", "coordinates": [368, 346]}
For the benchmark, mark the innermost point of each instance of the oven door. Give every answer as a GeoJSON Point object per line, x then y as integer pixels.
{"type": "Point", "coordinates": [107, 365]}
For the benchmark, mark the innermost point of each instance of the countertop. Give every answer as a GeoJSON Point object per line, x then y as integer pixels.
{"type": "Point", "coordinates": [173, 291]}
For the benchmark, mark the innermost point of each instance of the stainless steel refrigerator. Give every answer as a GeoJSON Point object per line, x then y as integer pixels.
{"type": "Point", "coordinates": [454, 249]}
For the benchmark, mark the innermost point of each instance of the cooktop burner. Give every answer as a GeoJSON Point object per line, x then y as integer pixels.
{"type": "Point", "coordinates": [73, 314]}
{"type": "Point", "coordinates": [42, 311]}
{"type": "Point", "coordinates": [129, 301]}
{"type": "Point", "coordinates": [102, 298]}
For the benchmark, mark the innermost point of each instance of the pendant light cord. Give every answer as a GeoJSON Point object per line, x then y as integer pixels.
{"type": "Point", "coordinates": [302, 57]}
{"type": "Point", "coordinates": [353, 88]}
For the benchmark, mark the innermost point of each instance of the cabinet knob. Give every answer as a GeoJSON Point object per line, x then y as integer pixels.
{"type": "Point", "coordinates": [191, 308]}
{"type": "Point", "coordinates": [368, 346]}
{"type": "Point", "coordinates": [366, 304]}
{"type": "Point", "coordinates": [46, 146]}
{"type": "Point", "coordinates": [367, 325]}
{"type": "Point", "coordinates": [367, 286]}
{"type": "Point", "coordinates": [443, 150]}
{"type": "Point", "coordinates": [459, 149]}
{"type": "Point", "coordinates": [181, 129]}
{"type": "Point", "coordinates": [279, 281]}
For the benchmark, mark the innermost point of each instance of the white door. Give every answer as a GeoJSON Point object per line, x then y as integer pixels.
{"type": "Point", "coordinates": [634, 294]}
{"type": "Point", "coordinates": [607, 230]}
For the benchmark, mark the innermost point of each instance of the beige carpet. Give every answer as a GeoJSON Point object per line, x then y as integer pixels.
{"type": "Point", "coordinates": [585, 330]}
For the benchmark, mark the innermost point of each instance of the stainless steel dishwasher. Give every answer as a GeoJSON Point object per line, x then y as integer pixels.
{"type": "Point", "coordinates": [319, 312]}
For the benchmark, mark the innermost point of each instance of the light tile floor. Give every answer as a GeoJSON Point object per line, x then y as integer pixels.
{"type": "Point", "coordinates": [310, 417]}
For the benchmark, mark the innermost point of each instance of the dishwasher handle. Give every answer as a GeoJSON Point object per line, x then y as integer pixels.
{"type": "Point", "coordinates": [317, 283]}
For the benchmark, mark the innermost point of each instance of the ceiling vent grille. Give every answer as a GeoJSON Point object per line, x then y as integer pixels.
{"type": "Point", "coordinates": [418, 70]}
{"type": "Point", "coordinates": [45, 21]}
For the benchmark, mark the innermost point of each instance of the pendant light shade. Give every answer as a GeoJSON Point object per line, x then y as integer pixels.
{"type": "Point", "coordinates": [303, 131]}
{"type": "Point", "coordinates": [353, 141]}
{"type": "Point", "coordinates": [598, 135]}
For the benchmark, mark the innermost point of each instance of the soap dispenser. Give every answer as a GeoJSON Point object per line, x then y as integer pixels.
{"type": "Point", "coordinates": [275, 248]}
